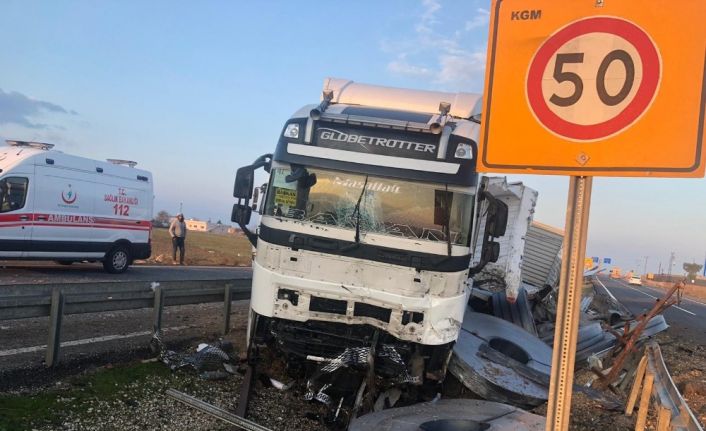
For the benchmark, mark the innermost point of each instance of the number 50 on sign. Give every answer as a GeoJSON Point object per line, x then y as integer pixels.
{"type": "Point", "coordinates": [612, 88]}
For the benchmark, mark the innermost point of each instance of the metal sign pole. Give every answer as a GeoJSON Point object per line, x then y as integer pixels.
{"type": "Point", "coordinates": [568, 303]}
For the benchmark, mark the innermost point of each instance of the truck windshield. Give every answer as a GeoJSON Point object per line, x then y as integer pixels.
{"type": "Point", "coordinates": [387, 206]}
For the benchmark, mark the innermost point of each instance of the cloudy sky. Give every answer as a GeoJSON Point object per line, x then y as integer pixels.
{"type": "Point", "coordinates": [194, 90]}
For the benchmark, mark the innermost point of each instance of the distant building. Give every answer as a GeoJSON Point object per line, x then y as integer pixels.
{"type": "Point", "coordinates": [222, 229]}
{"type": "Point", "coordinates": [196, 225]}
{"type": "Point", "coordinates": [205, 226]}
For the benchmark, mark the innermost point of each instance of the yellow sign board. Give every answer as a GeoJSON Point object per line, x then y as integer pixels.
{"type": "Point", "coordinates": [587, 263]}
{"type": "Point", "coordinates": [285, 197]}
{"type": "Point", "coordinates": [595, 87]}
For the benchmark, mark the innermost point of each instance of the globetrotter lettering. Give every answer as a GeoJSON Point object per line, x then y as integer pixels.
{"type": "Point", "coordinates": [62, 218]}
{"type": "Point", "coordinates": [121, 199]}
{"type": "Point", "coordinates": [335, 135]}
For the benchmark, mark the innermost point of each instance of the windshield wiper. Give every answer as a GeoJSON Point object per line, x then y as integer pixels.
{"type": "Point", "coordinates": [356, 211]}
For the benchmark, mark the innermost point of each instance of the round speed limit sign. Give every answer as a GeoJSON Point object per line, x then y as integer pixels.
{"type": "Point", "coordinates": [593, 78]}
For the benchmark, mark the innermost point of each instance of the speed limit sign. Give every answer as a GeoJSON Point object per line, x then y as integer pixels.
{"type": "Point", "coordinates": [611, 88]}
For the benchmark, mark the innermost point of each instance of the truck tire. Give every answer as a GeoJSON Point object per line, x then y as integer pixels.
{"type": "Point", "coordinates": [117, 260]}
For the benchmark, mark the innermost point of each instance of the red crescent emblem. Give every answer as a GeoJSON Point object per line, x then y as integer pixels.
{"type": "Point", "coordinates": [69, 201]}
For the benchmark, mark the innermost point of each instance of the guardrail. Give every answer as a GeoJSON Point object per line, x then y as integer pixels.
{"type": "Point", "coordinates": [652, 381]}
{"type": "Point", "coordinates": [42, 300]}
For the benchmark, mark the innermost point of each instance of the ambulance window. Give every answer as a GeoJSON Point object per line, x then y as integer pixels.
{"type": "Point", "coordinates": [13, 193]}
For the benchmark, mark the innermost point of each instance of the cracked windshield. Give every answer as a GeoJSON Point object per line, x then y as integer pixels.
{"type": "Point", "coordinates": [387, 206]}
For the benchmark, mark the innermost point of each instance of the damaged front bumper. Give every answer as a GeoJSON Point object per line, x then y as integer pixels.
{"type": "Point", "coordinates": [425, 319]}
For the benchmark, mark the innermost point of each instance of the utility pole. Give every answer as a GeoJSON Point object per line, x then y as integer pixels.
{"type": "Point", "coordinates": [181, 207]}
{"type": "Point", "coordinates": [645, 271]}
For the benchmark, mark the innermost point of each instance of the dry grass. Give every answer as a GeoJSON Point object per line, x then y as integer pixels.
{"type": "Point", "coordinates": [203, 248]}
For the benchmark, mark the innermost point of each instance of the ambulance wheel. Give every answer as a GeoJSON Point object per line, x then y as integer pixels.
{"type": "Point", "coordinates": [117, 260]}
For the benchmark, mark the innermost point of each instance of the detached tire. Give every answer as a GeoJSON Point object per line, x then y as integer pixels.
{"type": "Point", "coordinates": [117, 260]}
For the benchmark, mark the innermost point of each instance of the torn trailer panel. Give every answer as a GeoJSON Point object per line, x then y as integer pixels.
{"type": "Point", "coordinates": [506, 273]}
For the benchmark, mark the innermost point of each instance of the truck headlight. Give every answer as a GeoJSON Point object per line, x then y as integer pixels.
{"type": "Point", "coordinates": [292, 131]}
{"type": "Point", "coordinates": [463, 151]}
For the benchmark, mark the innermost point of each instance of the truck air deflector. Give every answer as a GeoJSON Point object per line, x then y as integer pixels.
{"type": "Point", "coordinates": [386, 161]}
{"type": "Point", "coordinates": [412, 259]}
{"type": "Point", "coordinates": [388, 114]}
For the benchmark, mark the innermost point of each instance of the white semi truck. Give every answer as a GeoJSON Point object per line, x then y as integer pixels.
{"type": "Point", "coordinates": [366, 238]}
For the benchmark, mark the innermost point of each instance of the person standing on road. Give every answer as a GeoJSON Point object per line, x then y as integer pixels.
{"type": "Point", "coordinates": [177, 230]}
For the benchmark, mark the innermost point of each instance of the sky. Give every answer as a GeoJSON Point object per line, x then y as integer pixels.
{"type": "Point", "coordinates": [194, 90]}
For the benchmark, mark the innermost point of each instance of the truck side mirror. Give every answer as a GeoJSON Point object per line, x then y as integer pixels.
{"type": "Point", "coordinates": [241, 214]}
{"type": "Point", "coordinates": [244, 180]}
{"type": "Point", "coordinates": [495, 226]}
{"type": "Point", "coordinates": [499, 219]}
{"type": "Point", "coordinates": [309, 181]}
{"type": "Point", "coordinates": [491, 252]}
{"type": "Point", "coordinates": [255, 198]}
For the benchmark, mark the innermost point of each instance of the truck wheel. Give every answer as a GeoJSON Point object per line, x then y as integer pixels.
{"type": "Point", "coordinates": [117, 260]}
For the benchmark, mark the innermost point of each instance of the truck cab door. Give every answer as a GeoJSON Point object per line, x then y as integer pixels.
{"type": "Point", "coordinates": [16, 215]}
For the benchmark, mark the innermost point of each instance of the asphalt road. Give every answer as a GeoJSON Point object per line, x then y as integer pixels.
{"type": "Point", "coordinates": [12, 272]}
{"type": "Point", "coordinates": [688, 319]}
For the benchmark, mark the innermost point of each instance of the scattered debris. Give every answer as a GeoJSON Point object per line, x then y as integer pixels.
{"type": "Point", "coordinates": [450, 414]}
{"type": "Point", "coordinates": [216, 412]}
{"type": "Point", "coordinates": [631, 337]}
{"type": "Point", "coordinates": [281, 386]}
{"type": "Point", "coordinates": [211, 362]}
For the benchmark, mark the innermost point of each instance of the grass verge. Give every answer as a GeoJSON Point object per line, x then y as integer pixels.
{"type": "Point", "coordinates": [20, 412]}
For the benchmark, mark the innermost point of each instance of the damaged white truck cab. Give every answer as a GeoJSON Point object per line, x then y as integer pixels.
{"type": "Point", "coordinates": [368, 227]}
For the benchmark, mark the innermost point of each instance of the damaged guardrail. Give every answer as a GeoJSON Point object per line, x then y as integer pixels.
{"type": "Point", "coordinates": [56, 300]}
{"type": "Point", "coordinates": [652, 381]}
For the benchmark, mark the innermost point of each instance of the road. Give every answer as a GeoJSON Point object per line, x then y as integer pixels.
{"type": "Point", "coordinates": [688, 319]}
{"type": "Point", "coordinates": [12, 272]}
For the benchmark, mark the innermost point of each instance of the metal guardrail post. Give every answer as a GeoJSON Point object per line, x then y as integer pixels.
{"type": "Point", "coordinates": [664, 418]}
{"type": "Point", "coordinates": [644, 401]}
{"type": "Point", "coordinates": [227, 299]}
{"type": "Point", "coordinates": [56, 315]}
{"type": "Point", "coordinates": [158, 307]}
{"type": "Point", "coordinates": [637, 382]}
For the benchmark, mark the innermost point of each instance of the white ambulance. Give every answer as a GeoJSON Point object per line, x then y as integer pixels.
{"type": "Point", "coordinates": [55, 206]}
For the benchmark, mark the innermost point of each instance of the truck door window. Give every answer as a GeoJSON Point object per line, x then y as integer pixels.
{"type": "Point", "coordinates": [13, 193]}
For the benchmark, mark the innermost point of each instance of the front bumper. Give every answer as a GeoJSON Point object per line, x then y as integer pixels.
{"type": "Point", "coordinates": [427, 319]}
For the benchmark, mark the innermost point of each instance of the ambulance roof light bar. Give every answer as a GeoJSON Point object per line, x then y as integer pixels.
{"type": "Point", "coordinates": [129, 163]}
{"type": "Point", "coordinates": [31, 144]}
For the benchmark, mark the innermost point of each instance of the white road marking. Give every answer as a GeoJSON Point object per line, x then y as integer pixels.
{"type": "Point", "coordinates": [653, 289]}
{"type": "Point", "coordinates": [694, 301]}
{"type": "Point", "coordinates": [33, 349]}
{"type": "Point", "coordinates": [606, 289]}
{"type": "Point", "coordinates": [654, 297]}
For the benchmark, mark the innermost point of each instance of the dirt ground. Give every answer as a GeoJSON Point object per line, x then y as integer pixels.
{"type": "Point", "coordinates": [133, 394]}
{"type": "Point", "coordinates": [690, 290]}
{"type": "Point", "coordinates": [686, 363]}
{"type": "Point", "coordinates": [202, 248]}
